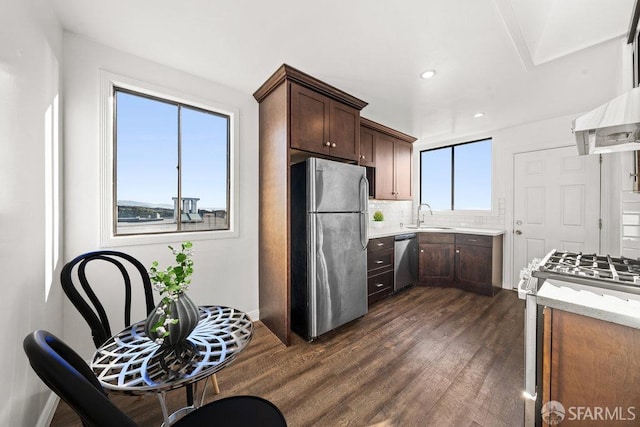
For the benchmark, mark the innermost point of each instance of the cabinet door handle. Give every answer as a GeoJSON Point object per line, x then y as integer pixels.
{"type": "Point", "coordinates": [457, 251]}
{"type": "Point", "coordinates": [333, 145]}
{"type": "Point", "coordinates": [362, 157]}
{"type": "Point", "coordinates": [380, 244]}
{"type": "Point", "coordinates": [422, 250]}
{"type": "Point", "coordinates": [379, 285]}
{"type": "Point", "coordinates": [328, 144]}
{"type": "Point", "coordinates": [379, 262]}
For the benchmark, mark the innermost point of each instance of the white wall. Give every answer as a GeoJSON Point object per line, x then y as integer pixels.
{"type": "Point", "coordinates": [30, 61]}
{"type": "Point", "coordinates": [226, 270]}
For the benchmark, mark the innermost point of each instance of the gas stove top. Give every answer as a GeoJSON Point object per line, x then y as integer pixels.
{"type": "Point", "coordinates": [625, 270]}
{"type": "Point", "coordinates": [600, 271]}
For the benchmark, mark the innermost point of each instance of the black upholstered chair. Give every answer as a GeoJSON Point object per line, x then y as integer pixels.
{"type": "Point", "coordinates": [64, 372]}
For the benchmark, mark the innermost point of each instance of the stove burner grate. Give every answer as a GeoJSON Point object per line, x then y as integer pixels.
{"type": "Point", "coordinates": [594, 266]}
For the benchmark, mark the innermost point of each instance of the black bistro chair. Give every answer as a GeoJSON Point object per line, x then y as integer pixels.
{"type": "Point", "coordinates": [64, 372]}
{"type": "Point", "coordinates": [74, 277]}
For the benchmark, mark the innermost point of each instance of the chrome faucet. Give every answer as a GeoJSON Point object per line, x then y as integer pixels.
{"type": "Point", "coordinates": [418, 214]}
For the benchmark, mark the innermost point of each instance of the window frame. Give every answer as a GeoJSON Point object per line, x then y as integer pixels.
{"type": "Point", "coordinates": [454, 211]}
{"type": "Point", "coordinates": [109, 238]}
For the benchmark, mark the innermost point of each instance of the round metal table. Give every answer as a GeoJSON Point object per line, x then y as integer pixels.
{"type": "Point", "coordinates": [131, 363]}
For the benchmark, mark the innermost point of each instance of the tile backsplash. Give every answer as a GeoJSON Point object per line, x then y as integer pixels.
{"type": "Point", "coordinates": [404, 212]}
{"type": "Point", "coordinates": [395, 213]}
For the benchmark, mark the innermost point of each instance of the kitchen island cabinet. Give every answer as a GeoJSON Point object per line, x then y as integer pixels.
{"type": "Point", "coordinates": [290, 102]}
{"type": "Point", "coordinates": [380, 264]}
{"type": "Point", "coordinates": [392, 159]}
{"type": "Point", "coordinates": [591, 363]}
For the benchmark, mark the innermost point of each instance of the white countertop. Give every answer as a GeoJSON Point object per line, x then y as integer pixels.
{"type": "Point", "coordinates": [591, 302]}
{"type": "Point", "coordinates": [385, 232]}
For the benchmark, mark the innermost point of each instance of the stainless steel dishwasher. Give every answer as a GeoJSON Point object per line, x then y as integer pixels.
{"type": "Point", "coordinates": [406, 261]}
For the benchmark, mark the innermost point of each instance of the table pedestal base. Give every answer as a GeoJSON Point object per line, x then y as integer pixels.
{"type": "Point", "coordinates": [177, 415]}
{"type": "Point", "coordinates": [169, 419]}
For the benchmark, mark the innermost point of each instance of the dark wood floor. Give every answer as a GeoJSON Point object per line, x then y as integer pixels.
{"type": "Point", "coordinates": [425, 357]}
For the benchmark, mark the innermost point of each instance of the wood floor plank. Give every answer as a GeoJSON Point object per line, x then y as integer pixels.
{"type": "Point", "coordinates": [427, 356]}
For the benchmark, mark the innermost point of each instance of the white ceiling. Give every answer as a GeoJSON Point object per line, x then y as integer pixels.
{"type": "Point", "coordinates": [517, 61]}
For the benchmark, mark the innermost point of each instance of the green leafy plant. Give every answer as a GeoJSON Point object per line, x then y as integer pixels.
{"type": "Point", "coordinates": [378, 216]}
{"type": "Point", "coordinates": [171, 282]}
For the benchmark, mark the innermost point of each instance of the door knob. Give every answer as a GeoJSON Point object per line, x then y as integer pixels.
{"type": "Point", "coordinates": [518, 232]}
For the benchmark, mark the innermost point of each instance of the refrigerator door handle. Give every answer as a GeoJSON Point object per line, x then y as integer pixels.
{"type": "Point", "coordinates": [364, 214]}
{"type": "Point", "coordinates": [364, 194]}
{"type": "Point", "coordinates": [364, 232]}
{"type": "Point", "coordinates": [312, 294]}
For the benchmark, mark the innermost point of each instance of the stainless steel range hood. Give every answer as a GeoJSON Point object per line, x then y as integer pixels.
{"type": "Point", "coordinates": [612, 127]}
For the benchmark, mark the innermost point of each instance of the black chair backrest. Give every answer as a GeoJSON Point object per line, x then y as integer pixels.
{"type": "Point", "coordinates": [64, 372]}
{"type": "Point", "coordinates": [96, 316]}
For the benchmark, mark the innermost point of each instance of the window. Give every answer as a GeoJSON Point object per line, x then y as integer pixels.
{"type": "Point", "coordinates": [171, 166]}
{"type": "Point", "coordinates": [457, 177]}
{"type": "Point", "coordinates": [168, 165]}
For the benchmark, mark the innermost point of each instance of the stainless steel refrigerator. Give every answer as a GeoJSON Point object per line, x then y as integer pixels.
{"type": "Point", "coordinates": [329, 238]}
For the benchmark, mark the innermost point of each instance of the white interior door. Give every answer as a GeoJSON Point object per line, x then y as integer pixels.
{"type": "Point", "coordinates": [556, 204]}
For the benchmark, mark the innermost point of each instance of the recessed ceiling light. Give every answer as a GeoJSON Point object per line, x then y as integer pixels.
{"type": "Point", "coordinates": [428, 74]}
{"type": "Point", "coordinates": [478, 114]}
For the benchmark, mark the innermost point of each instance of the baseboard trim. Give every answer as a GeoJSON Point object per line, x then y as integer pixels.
{"type": "Point", "coordinates": [46, 416]}
{"type": "Point", "coordinates": [254, 315]}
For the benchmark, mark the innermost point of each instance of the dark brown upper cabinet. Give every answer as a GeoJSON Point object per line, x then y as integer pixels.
{"type": "Point", "coordinates": [367, 152]}
{"type": "Point", "coordinates": [391, 157]}
{"type": "Point", "coordinates": [324, 126]}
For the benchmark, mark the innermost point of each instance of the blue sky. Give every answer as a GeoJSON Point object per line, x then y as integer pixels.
{"type": "Point", "coordinates": [147, 153]}
{"type": "Point", "coordinates": [472, 177]}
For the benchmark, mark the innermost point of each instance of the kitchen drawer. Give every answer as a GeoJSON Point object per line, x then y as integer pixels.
{"type": "Point", "coordinates": [380, 283]}
{"type": "Point", "coordinates": [474, 240]}
{"type": "Point", "coordinates": [380, 259]}
{"type": "Point", "coordinates": [436, 237]}
{"type": "Point", "coordinates": [380, 244]}
{"type": "Point", "coordinates": [378, 296]}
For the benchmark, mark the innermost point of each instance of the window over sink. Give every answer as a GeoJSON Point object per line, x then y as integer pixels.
{"type": "Point", "coordinates": [457, 177]}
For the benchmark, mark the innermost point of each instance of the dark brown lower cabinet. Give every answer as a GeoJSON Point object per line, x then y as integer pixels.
{"type": "Point", "coordinates": [592, 368]}
{"type": "Point", "coordinates": [478, 263]}
{"type": "Point", "coordinates": [435, 258]}
{"type": "Point", "coordinates": [471, 262]}
{"type": "Point", "coordinates": [380, 263]}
